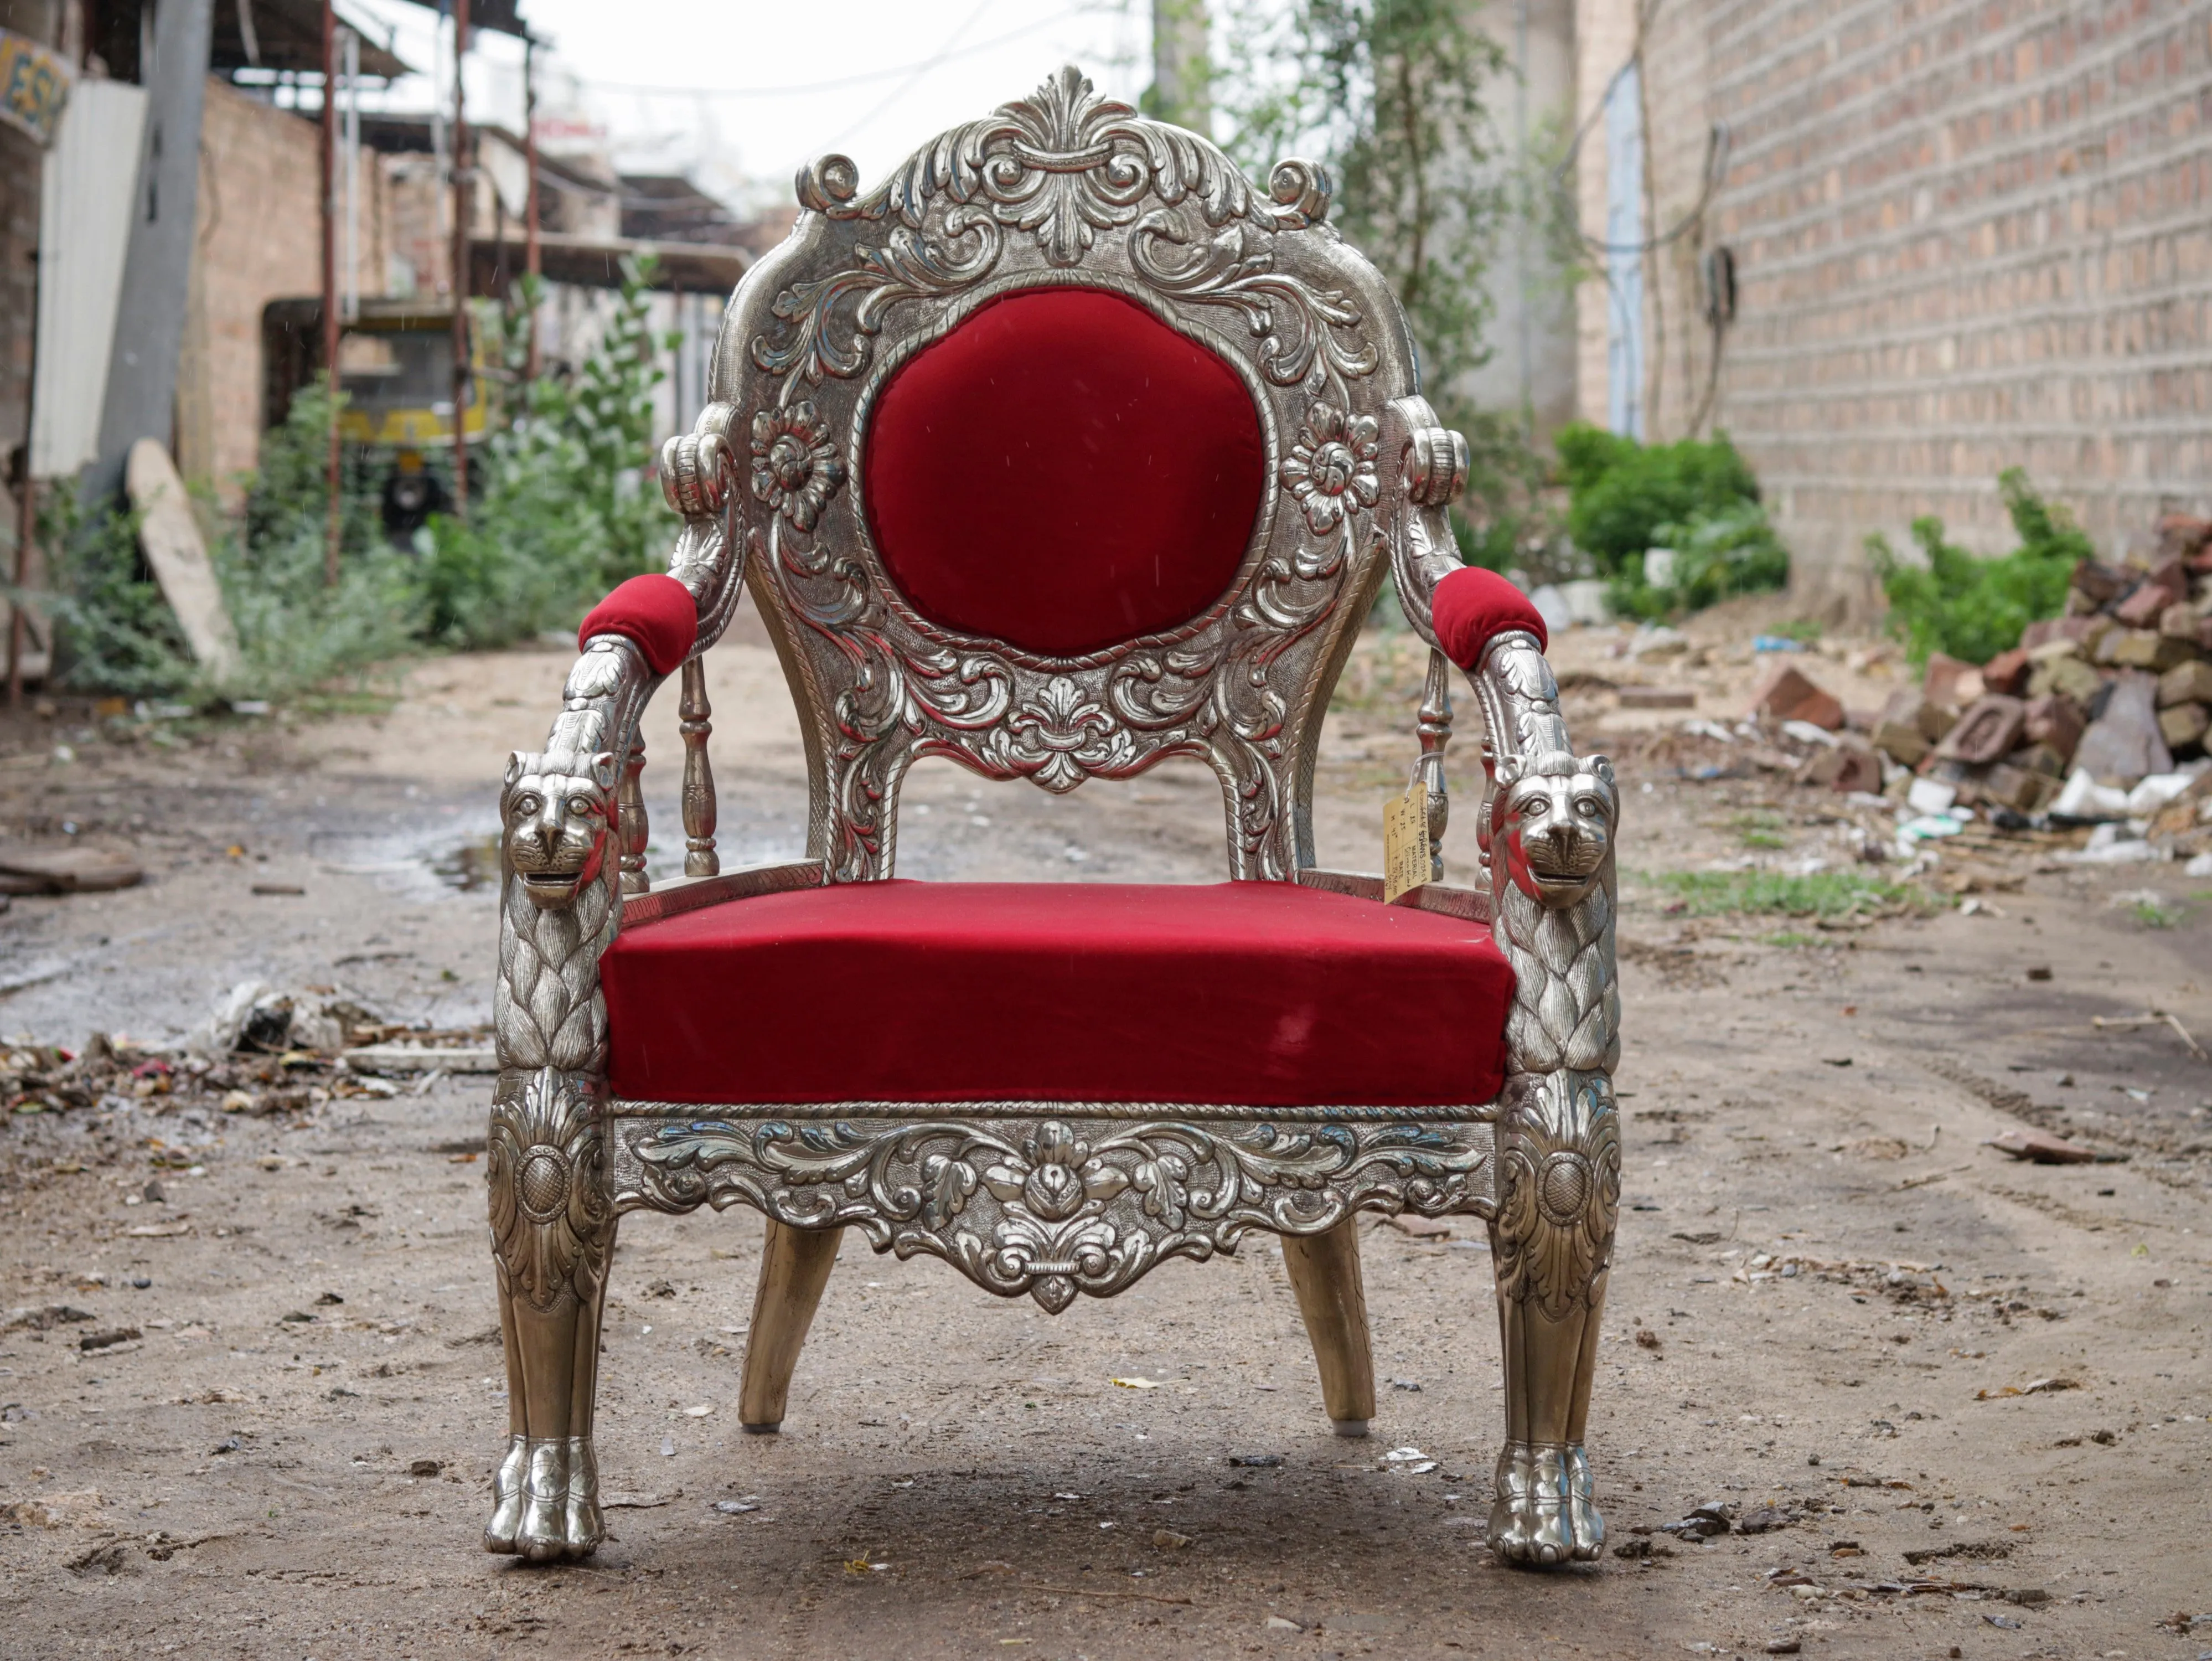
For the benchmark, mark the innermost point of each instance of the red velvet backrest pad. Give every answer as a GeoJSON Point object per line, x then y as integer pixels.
{"type": "Point", "coordinates": [1470, 606]}
{"type": "Point", "coordinates": [1063, 471]}
{"type": "Point", "coordinates": [1242, 992]}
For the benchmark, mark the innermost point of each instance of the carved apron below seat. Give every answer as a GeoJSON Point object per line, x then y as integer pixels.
{"type": "Point", "coordinates": [1063, 452]}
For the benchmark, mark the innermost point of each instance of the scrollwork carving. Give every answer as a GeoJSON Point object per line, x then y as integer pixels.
{"type": "Point", "coordinates": [1058, 1207]}
{"type": "Point", "coordinates": [1061, 186]}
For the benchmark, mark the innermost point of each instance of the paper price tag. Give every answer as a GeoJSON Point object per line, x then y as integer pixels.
{"type": "Point", "coordinates": [1405, 842]}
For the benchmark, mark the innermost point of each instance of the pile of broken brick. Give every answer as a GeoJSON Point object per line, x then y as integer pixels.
{"type": "Point", "coordinates": [2070, 723]}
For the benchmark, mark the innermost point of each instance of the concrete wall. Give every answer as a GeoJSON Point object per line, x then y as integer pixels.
{"type": "Point", "coordinates": [1533, 362]}
{"type": "Point", "coordinates": [1970, 234]}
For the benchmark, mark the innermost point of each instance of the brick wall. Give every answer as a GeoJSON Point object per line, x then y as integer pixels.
{"type": "Point", "coordinates": [260, 239]}
{"type": "Point", "coordinates": [1969, 233]}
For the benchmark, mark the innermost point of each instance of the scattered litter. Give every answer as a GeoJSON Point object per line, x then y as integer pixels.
{"type": "Point", "coordinates": [2040, 1387]}
{"type": "Point", "coordinates": [1169, 1540]}
{"type": "Point", "coordinates": [2151, 1018]}
{"type": "Point", "coordinates": [700, 1411]}
{"type": "Point", "coordinates": [422, 1058]}
{"type": "Point", "coordinates": [1420, 1227]}
{"type": "Point", "coordinates": [2085, 801]}
{"type": "Point", "coordinates": [1137, 1383]}
{"type": "Point", "coordinates": [751, 1502]}
{"type": "Point", "coordinates": [2039, 1147]}
{"type": "Point", "coordinates": [66, 871]}
{"type": "Point", "coordinates": [1658, 697]}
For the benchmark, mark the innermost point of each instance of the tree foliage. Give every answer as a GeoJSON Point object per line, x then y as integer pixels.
{"type": "Point", "coordinates": [1390, 94]}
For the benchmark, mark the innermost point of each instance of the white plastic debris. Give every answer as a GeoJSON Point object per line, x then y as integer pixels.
{"type": "Point", "coordinates": [1550, 603]}
{"type": "Point", "coordinates": [217, 1035]}
{"type": "Point", "coordinates": [1931, 796]}
{"type": "Point", "coordinates": [2109, 844]}
{"type": "Point", "coordinates": [2084, 799]}
{"type": "Point", "coordinates": [2199, 866]}
{"type": "Point", "coordinates": [1588, 601]}
{"type": "Point", "coordinates": [2159, 789]}
{"type": "Point", "coordinates": [1805, 733]}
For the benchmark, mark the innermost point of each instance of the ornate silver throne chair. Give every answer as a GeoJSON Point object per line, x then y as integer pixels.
{"type": "Point", "coordinates": [1065, 451]}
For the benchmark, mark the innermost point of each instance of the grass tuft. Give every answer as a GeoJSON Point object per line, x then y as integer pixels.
{"type": "Point", "coordinates": [1825, 894]}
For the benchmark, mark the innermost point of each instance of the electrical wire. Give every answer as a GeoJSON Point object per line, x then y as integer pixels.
{"type": "Point", "coordinates": [908, 85]}
{"type": "Point", "coordinates": [944, 56]}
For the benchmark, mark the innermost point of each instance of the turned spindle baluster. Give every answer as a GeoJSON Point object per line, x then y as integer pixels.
{"type": "Point", "coordinates": [700, 859]}
{"type": "Point", "coordinates": [1436, 731]}
{"type": "Point", "coordinates": [635, 832]}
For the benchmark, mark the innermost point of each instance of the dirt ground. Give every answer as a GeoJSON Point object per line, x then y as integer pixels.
{"type": "Point", "coordinates": [1957, 1406]}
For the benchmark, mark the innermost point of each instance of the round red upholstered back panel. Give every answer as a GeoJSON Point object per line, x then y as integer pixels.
{"type": "Point", "coordinates": [1063, 473]}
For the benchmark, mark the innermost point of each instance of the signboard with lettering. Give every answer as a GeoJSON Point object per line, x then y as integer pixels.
{"type": "Point", "coordinates": [34, 84]}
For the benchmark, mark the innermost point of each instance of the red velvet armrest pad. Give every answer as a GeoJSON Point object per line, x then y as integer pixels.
{"type": "Point", "coordinates": [1471, 607]}
{"type": "Point", "coordinates": [654, 611]}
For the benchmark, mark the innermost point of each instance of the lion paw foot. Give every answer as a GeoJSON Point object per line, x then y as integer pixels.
{"type": "Point", "coordinates": [546, 1501]}
{"type": "Point", "coordinates": [1543, 1514]}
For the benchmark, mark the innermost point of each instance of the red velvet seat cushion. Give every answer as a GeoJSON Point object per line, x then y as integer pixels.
{"type": "Point", "coordinates": [1246, 993]}
{"type": "Point", "coordinates": [655, 611]}
{"type": "Point", "coordinates": [1472, 606]}
{"type": "Point", "coordinates": [1063, 471]}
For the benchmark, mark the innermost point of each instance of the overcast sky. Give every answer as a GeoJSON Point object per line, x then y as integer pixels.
{"type": "Point", "coordinates": [739, 91]}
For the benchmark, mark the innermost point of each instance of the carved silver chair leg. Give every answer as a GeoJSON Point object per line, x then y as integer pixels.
{"type": "Point", "coordinates": [1324, 1271]}
{"type": "Point", "coordinates": [553, 1232]}
{"type": "Point", "coordinates": [1552, 1242]}
{"type": "Point", "coordinates": [795, 1265]}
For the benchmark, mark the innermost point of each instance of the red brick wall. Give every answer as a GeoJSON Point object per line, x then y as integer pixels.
{"type": "Point", "coordinates": [1970, 234]}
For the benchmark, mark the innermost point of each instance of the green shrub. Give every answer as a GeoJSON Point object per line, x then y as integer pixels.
{"type": "Point", "coordinates": [1973, 608]}
{"type": "Point", "coordinates": [294, 631]}
{"type": "Point", "coordinates": [114, 631]}
{"type": "Point", "coordinates": [1622, 492]}
{"type": "Point", "coordinates": [566, 511]}
{"type": "Point", "coordinates": [1731, 550]}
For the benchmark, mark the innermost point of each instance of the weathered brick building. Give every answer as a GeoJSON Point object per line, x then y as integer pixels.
{"type": "Point", "coordinates": [1967, 234]}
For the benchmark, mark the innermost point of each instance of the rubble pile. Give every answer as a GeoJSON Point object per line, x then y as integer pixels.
{"type": "Point", "coordinates": [259, 1052]}
{"type": "Point", "coordinates": [2087, 707]}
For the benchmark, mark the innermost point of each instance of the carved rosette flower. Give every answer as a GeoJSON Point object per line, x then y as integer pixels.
{"type": "Point", "coordinates": [1331, 469]}
{"type": "Point", "coordinates": [1059, 1179]}
{"type": "Point", "coordinates": [795, 466]}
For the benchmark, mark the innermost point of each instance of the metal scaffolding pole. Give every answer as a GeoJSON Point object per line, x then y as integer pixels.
{"type": "Point", "coordinates": [463, 177]}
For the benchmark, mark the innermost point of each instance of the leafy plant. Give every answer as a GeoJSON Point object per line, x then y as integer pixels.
{"type": "Point", "coordinates": [1974, 608]}
{"type": "Point", "coordinates": [114, 630]}
{"type": "Point", "coordinates": [1389, 92]}
{"type": "Point", "coordinates": [294, 631]}
{"type": "Point", "coordinates": [565, 512]}
{"type": "Point", "coordinates": [1731, 550]}
{"type": "Point", "coordinates": [1624, 493]}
